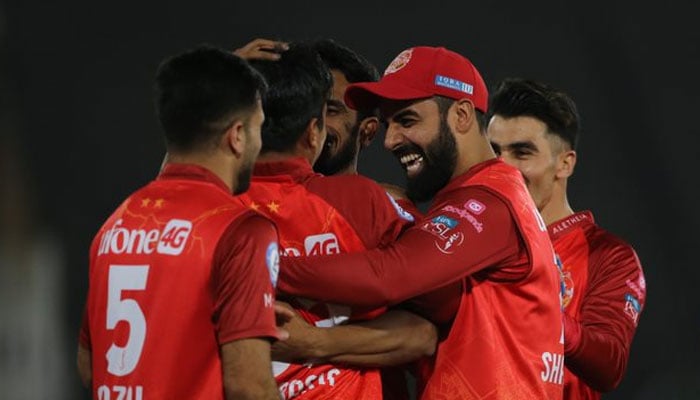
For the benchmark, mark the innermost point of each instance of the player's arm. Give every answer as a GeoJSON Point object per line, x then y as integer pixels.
{"type": "Point", "coordinates": [243, 316]}
{"type": "Point", "coordinates": [420, 261]}
{"type": "Point", "coordinates": [396, 337]}
{"type": "Point", "coordinates": [597, 345]}
{"type": "Point", "coordinates": [84, 365]}
{"type": "Point", "coordinates": [241, 361]}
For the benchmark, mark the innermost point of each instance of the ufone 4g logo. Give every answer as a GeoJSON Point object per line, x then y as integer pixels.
{"type": "Point", "coordinates": [169, 240]}
{"type": "Point", "coordinates": [325, 243]}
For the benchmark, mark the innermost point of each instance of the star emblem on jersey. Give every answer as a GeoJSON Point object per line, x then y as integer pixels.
{"type": "Point", "coordinates": [145, 202]}
{"type": "Point", "coordinates": [158, 203]}
{"type": "Point", "coordinates": [254, 206]}
{"type": "Point", "coordinates": [273, 207]}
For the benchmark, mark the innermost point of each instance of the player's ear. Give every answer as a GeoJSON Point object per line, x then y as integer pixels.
{"type": "Point", "coordinates": [465, 115]}
{"type": "Point", "coordinates": [368, 129]}
{"type": "Point", "coordinates": [235, 138]}
{"type": "Point", "coordinates": [566, 161]}
{"type": "Point", "coordinates": [315, 135]}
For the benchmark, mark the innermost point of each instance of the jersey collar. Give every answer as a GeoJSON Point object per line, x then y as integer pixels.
{"type": "Point", "coordinates": [294, 168]}
{"type": "Point", "coordinates": [561, 227]}
{"type": "Point", "coordinates": [191, 172]}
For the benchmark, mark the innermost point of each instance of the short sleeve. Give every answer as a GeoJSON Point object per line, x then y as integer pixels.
{"type": "Point", "coordinates": [246, 263]}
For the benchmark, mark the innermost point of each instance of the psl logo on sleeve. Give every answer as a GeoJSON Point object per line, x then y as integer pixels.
{"type": "Point", "coordinates": [632, 308]}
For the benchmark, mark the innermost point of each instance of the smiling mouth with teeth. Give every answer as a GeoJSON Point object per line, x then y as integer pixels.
{"type": "Point", "coordinates": [412, 163]}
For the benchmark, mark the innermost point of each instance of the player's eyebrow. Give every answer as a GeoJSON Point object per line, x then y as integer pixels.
{"type": "Point", "coordinates": [404, 113]}
{"type": "Point", "coordinates": [337, 104]}
{"type": "Point", "coordinates": [522, 145]}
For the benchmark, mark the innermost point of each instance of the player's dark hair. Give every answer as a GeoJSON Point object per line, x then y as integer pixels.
{"type": "Point", "coordinates": [201, 92]}
{"type": "Point", "coordinates": [444, 104]}
{"type": "Point", "coordinates": [299, 86]}
{"type": "Point", "coordinates": [517, 97]}
{"type": "Point", "coordinates": [355, 67]}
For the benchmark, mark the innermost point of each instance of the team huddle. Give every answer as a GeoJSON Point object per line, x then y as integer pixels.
{"type": "Point", "coordinates": [260, 264]}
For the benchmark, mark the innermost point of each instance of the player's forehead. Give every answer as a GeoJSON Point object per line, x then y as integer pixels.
{"type": "Point", "coordinates": [507, 130]}
{"type": "Point", "coordinates": [421, 108]}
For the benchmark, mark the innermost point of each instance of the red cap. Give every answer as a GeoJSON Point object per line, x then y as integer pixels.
{"type": "Point", "coordinates": [421, 72]}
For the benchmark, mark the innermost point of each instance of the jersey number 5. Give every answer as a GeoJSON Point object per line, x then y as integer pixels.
{"type": "Point", "coordinates": [123, 360]}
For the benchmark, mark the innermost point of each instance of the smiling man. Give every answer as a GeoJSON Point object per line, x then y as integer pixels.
{"type": "Point", "coordinates": [480, 261]}
{"type": "Point", "coordinates": [534, 127]}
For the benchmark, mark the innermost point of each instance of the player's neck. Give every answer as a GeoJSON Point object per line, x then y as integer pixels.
{"type": "Point", "coordinates": [476, 152]}
{"type": "Point", "coordinates": [222, 170]}
{"type": "Point", "coordinates": [277, 156]}
{"type": "Point", "coordinates": [557, 207]}
{"type": "Point", "coordinates": [351, 169]}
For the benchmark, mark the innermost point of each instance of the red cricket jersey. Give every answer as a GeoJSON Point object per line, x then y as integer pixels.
{"type": "Point", "coordinates": [603, 296]}
{"type": "Point", "coordinates": [484, 243]}
{"type": "Point", "coordinates": [180, 268]}
{"type": "Point", "coordinates": [319, 215]}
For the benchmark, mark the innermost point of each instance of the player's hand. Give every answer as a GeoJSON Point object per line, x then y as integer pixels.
{"type": "Point", "coordinates": [396, 192]}
{"type": "Point", "coordinates": [296, 347]}
{"type": "Point", "coordinates": [572, 334]}
{"type": "Point", "coordinates": [262, 49]}
{"type": "Point", "coordinates": [283, 314]}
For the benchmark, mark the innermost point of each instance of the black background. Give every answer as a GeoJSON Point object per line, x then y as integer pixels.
{"type": "Point", "coordinates": [79, 123]}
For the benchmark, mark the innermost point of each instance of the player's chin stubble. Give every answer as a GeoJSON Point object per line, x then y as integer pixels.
{"type": "Point", "coordinates": [439, 161]}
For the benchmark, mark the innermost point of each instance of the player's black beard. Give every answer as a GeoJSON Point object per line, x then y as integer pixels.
{"type": "Point", "coordinates": [439, 161]}
{"type": "Point", "coordinates": [329, 164]}
{"type": "Point", "coordinates": [244, 176]}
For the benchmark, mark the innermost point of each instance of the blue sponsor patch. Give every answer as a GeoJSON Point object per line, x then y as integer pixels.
{"type": "Point", "coordinates": [634, 302]}
{"type": "Point", "coordinates": [453, 84]}
{"type": "Point", "coordinates": [447, 221]}
{"type": "Point", "coordinates": [272, 259]}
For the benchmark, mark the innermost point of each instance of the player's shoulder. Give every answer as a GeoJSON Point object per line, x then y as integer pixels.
{"type": "Point", "coordinates": [610, 248]}
{"type": "Point", "coordinates": [475, 199]}
{"type": "Point", "coordinates": [601, 238]}
{"type": "Point", "coordinates": [347, 188]}
{"type": "Point", "coordinates": [249, 218]}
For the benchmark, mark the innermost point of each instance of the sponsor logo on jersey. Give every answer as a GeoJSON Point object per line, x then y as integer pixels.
{"type": "Point", "coordinates": [567, 223]}
{"type": "Point", "coordinates": [466, 214]}
{"type": "Point", "coordinates": [450, 245]}
{"type": "Point", "coordinates": [402, 213]}
{"type": "Point", "coordinates": [566, 282]}
{"type": "Point", "coordinates": [632, 307]}
{"type": "Point", "coordinates": [399, 62]}
{"type": "Point", "coordinates": [636, 288]}
{"type": "Point", "coordinates": [440, 226]}
{"type": "Point", "coordinates": [454, 84]}
{"type": "Point", "coordinates": [291, 252]}
{"type": "Point", "coordinates": [170, 240]}
{"type": "Point", "coordinates": [325, 243]}
{"type": "Point", "coordinates": [447, 221]}
{"type": "Point", "coordinates": [475, 206]}
{"type": "Point", "coordinates": [272, 258]}
{"type": "Point", "coordinates": [294, 387]}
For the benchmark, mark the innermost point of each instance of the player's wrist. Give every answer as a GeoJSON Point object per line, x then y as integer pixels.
{"type": "Point", "coordinates": [319, 344]}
